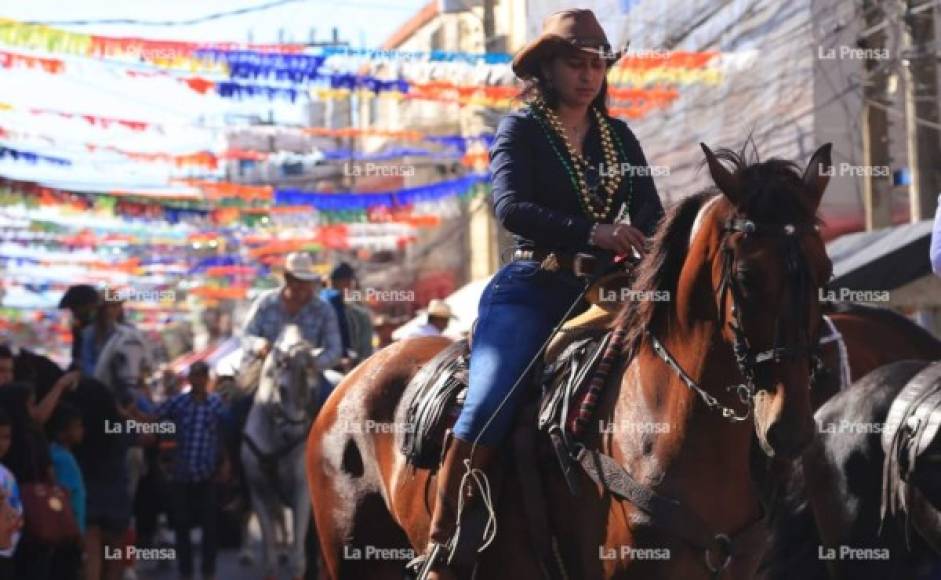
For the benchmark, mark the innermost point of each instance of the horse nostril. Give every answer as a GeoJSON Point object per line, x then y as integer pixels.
{"type": "Point", "coordinates": [775, 437]}
{"type": "Point", "coordinates": [787, 442]}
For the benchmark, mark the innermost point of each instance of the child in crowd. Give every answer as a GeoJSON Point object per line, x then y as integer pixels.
{"type": "Point", "coordinates": [66, 430]}
{"type": "Point", "coordinates": [11, 499]}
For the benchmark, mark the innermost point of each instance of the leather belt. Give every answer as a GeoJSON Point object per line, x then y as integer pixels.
{"type": "Point", "coordinates": [549, 260]}
{"type": "Point", "coordinates": [579, 264]}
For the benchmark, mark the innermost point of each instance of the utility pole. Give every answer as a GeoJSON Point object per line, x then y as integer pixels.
{"type": "Point", "coordinates": [919, 67]}
{"type": "Point", "coordinates": [877, 190]}
{"type": "Point", "coordinates": [488, 25]}
{"type": "Point", "coordinates": [911, 125]}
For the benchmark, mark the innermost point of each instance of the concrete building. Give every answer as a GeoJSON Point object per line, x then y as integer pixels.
{"type": "Point", "coordinates": [464, 248]}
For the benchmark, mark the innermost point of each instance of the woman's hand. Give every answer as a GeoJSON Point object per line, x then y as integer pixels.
{"type": "Point", "coordinates": [619, 238]}
{"type": "Point", "coordinates": [68, 381]}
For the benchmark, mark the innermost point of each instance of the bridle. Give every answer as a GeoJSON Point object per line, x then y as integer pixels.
{"type": "Point", "coordinates": [278, 413]}
{"type": "Point", "coordinates": [748, 361]}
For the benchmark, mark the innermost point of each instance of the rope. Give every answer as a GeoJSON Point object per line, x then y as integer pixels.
{"type": "Point", "coordinates": [478, 477]}
{"type": "Point", "coordinates": [837, 336]}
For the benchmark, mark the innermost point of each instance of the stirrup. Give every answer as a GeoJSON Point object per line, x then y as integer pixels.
{"type": "Point", "coordinates": [437, 554]}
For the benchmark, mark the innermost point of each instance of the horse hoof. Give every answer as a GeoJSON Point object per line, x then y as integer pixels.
{"type": "Point", "coordinates": [246, 559]}
{"type": "Point", "coordinates": [283, 558]}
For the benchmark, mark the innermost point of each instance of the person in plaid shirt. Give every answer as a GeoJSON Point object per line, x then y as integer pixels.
{"type": "Point", "coordinates": [197, 416]}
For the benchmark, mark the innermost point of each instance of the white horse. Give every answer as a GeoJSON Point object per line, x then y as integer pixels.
{"type": "Point", "coordinates": [122, 365]}
{"type": "Point", "coordinates": [273, 443]}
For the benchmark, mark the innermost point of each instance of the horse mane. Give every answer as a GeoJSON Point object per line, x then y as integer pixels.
{"type": "Point", "coordinates": [774, 191]}
{"type": "Point", "coordinates": [774, 188]}
{"type": "Point", "coordinates": [659, 270]}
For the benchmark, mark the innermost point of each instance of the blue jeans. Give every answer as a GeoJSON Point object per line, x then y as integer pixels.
{"type": "Point", "coordinates": [517, 312]}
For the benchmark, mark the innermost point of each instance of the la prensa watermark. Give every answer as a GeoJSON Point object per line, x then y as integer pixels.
{"type": "Point", "coordinates": [852, 427]}
{"type": "Point", "coordinates": [135, 427]}
{"type": "Point", "coordinates": [373, 295]}
{"type": "Point", "coordinates": [378, 170]}
{"type": "Point", "coordinates": [847, 52]}
{"type": "Point", "coordinates": [618, 295]}
{"type": "Point", "coordinates": [132, 295]}
{"type": "Point", "coordinates": [377, 553]}
{"type": "Point", "coordinates": [626, 552]}
{"type": "Point", "coordinates": [850, 295]}
{"type": "Point", "coordinates": [845, 552]}
{"type": "Point", "coordinates": [844, 169]}
{"type": "Point", "coordinates": [632, 427]}
{"type": "Point", "coordinates": [135, 553]}
{"type": "Point", "coordinates": [631, 170]}
{"type": "Point", "coordinates": [370, 426]}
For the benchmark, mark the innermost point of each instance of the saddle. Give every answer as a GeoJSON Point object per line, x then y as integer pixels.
{"type": "Point", "coordinates": [436, 394]}
{"type": "Point", "coordinates": [435, 398]}
{"type": "Point", "coordinates": [911, 428]}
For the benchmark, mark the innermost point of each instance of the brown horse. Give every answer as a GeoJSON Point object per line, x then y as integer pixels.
{"type": "Point", "coordinates": [872, 337]}
{"type": "Point", "coordinates": [742, 267]}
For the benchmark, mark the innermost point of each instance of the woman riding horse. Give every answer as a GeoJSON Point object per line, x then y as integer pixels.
{"type": "Point", "coordinates": [563, 182]}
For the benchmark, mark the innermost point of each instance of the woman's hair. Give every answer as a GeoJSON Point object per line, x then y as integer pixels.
{"type": "Point", "coordinates": [28, 457]}
{"type": "Point", "coordinates": [97, 452]}
{"type": "Point", "coordinates": [62, 418]}
{"type": "Point", "coordinates": [5, 420]}
{"type": "Point", "coordinates": [539, 86]}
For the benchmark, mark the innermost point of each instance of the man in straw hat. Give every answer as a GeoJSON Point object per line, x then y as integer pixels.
{"type": "Point", "coordinates": [295, 302]}
{"type": "Point", "coordinates": [437, 318]}
{"type": "Point", "coordinates": [559, 185]}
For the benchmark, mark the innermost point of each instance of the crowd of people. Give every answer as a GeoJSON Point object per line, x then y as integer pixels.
{"type": "Point", "coordinates": [98, 460]}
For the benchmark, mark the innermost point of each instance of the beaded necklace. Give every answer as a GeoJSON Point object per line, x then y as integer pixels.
{"type": "Point", "coordinates": [575, 164]}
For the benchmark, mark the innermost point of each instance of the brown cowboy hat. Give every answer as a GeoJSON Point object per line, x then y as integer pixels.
{"type": "Point", "coordinates": [576, 27]}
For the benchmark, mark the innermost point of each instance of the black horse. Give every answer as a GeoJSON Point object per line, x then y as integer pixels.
{"type": "Point", "coordinates": [826, 521]}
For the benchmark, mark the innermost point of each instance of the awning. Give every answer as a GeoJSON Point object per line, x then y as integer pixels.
{"type": "Point", "coordinates": [883, 259]}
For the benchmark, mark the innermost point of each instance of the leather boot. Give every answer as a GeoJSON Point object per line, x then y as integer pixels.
{"type": "Point", "coordinates": [444, 518]}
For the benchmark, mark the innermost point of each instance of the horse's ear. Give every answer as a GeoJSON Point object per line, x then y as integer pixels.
{"type": "Point", "coordinates": [725, 180]}
{"type": "Point", "coordinates": [818, 172]}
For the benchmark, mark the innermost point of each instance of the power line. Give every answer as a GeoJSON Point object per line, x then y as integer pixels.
{"type": "Point", "coordinates": [187, 22]}
{"type": "Point", "coordinates": [197, 20]}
